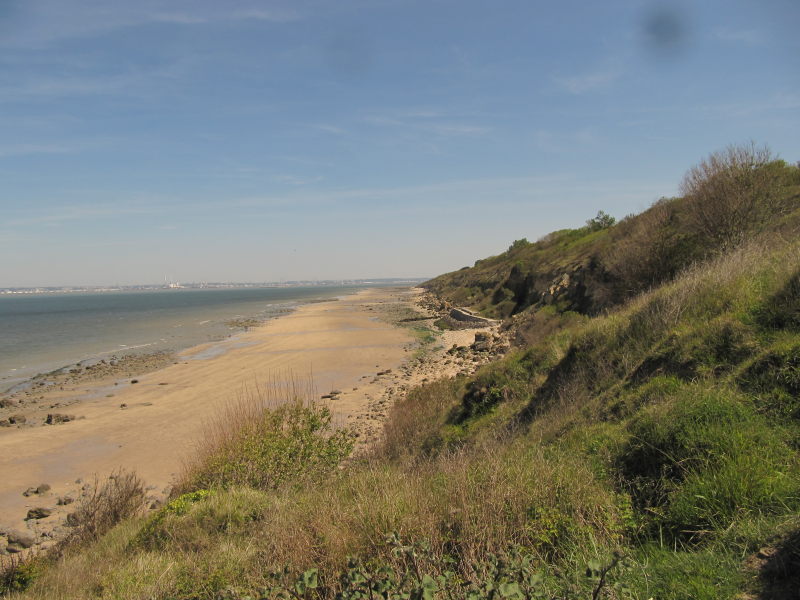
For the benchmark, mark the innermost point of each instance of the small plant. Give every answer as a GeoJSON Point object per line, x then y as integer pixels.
{"type": "Point", "coordinates": [17, 574]}
{"type": "Point", "coordinates": [151, 531]}
{"type": "Point", "coordinates": [120, 497]}
{"type": "Point", "coordinates": [416, 574]}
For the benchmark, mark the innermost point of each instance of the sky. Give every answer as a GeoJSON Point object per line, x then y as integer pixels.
{"type": "Point", "coordinates": [279, 140]}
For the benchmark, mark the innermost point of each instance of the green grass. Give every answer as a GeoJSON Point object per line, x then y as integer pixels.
{"type": "Point", "coordinates": [702, 459]}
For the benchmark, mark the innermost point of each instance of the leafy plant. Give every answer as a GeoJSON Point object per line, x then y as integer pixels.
{"type": "Point", "coordinates": [602, 221]}
{"type": "Point", "coordinates": [270, 447]}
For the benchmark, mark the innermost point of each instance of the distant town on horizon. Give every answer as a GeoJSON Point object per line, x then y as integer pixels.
{"type": "Point", "coordinates": [207, 285]}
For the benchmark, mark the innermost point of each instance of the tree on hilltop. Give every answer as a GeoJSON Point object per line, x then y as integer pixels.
{"type": "Point", "coordinates": [733, 193]}
{"type": "Point", "coordinates": [603, 220]}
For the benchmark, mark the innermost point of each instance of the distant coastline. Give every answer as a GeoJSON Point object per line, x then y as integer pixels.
{"type": "Point", "coordinates": [93, 289]}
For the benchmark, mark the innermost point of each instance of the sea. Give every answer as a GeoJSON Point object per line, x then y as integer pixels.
{"type": "Point", "coordinates": [40, 333]}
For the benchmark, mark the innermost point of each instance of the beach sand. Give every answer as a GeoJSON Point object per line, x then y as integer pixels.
{"type": "Point", "coordinates": [341, 344]}
{"type": "Point", "coordinates": [371, 347]}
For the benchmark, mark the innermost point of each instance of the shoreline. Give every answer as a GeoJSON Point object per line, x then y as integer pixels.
{"type": "Point", "coordinates": [359, 344]}
{"type": "Point", "coordinates": [168, 327]}
{"type": "Point", "coordinates": [150, 425]}
{"type": "Point", "coordinates": [237, 324]}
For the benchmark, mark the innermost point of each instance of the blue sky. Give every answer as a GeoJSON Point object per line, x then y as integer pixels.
{"type": "Point", "coordinates": [268, 140]}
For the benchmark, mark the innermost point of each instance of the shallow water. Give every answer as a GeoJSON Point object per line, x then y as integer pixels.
{"type": "Point", "coordinates": [41, 333]}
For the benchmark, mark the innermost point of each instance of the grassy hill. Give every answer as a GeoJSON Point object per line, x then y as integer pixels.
{"type": "Point", "coordinates": [641, 442]}
{"type": "Point", "coordinates": [603, 264]}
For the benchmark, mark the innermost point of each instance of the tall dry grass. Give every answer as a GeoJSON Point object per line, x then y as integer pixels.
{"type": "Point", "coordinates": [120, 497]}
{"type": "Point", "coordinates": [273, 432]}
{"type": "Point", "coordinates": [413, 426]}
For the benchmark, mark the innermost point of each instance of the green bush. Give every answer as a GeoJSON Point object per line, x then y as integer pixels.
{"type": "Point", "coordinates": [272, 447]}
{"type": "Point", "coordinates": [17, 575]}
{"type": "Point", "coordinates": [414, 427]}
{"type": "Point", "coordinates": [153, 532]}
{"type": "Point", "coordinates": [734, 193]}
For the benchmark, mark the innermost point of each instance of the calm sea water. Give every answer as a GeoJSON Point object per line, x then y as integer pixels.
{"type": "Point", "coordinates": [41, 333]}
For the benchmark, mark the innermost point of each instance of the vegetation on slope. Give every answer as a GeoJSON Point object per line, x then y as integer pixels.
{"type": "Point", "coordinates": [648, 451]}
{"type": "Point", "coordinates": [729, 198]}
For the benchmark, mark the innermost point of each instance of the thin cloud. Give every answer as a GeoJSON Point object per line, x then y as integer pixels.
{"type": "Point", "coordinates": [561, 142]}
{"type": "Point", "coordinates": [138, 83]}
{"type": "Point", "coordinates": [428, 122]}
{"type": "Point", "coordinates": [459, 129]}
{"type": "Point", "coordinates": [29, 149]}
{"type": "Point", "coordinates": [295, 180]}
{"type": "Point", "coordinates": [276, 16]}
{"type": "Point", "coordinates": [777, 103]}
{"type": "Point", "coordinates": [178, 18]}
{"type": "Point", "coordinates": [581, 84]}
{"type": "Point", "coordinates": [459, 192]}
{"type": "Point", "coordinates": [81, 212]}
{"type": "Point", "coordinates": [749, 37]}
{"type": "Point", "coordinates": [193, 18]}
{"type": "Point", "coordinates": [46, 22]}
{"type": "Point", "coordinates": [332, 129]}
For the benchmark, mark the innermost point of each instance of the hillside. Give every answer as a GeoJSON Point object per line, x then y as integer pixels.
{"type": "Point", "coordinates": [601, 265]}
{"type": "Point", "coordinates": [641, 441]}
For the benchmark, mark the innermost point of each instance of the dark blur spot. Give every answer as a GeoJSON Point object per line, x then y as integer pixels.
{"type": "Point", "coordinates": [349, 54]}
{"type": "Point", "coordinates": [666, 30]}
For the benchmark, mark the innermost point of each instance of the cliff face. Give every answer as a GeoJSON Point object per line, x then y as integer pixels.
{"type": "Point", "coordinates": [579, 288]}
{"type": "Point", "coordinates": [562, 270]}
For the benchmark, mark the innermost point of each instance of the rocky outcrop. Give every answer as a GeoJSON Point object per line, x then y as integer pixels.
{"type": "Point", "coordinates": [38, 513]}
{"type": "Point", "coordinates": [19, 541]}
{"type": "Point", "coordinates": [580, 288]}
{"type": "Point", "coordinates": [56, 418]}
{"type": "Point", "coordinates": [492, 343]}
{"type": "Point", "coordinates": [41, 489]}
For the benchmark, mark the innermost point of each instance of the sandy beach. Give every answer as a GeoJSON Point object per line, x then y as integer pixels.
{"type": "Point", "coordinates": [362, 346]}
{"type": "Point", "coordinates": [151, 426]}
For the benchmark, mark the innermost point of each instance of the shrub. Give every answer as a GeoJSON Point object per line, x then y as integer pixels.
{"type": "Point", "coordinates": [775, 378]}
{"type": "Point", "coordinates": [120, 497]}
{"type": "Point", "coordinates": [17, 575]}
{"type": "Point", "coordinates": [782, 310]}
{"type": "Point", "coordinates": [650, 248]}
{"type": "Point", "coordinates": [199, 520]}
{"type": "Point", "coordinates": [258, 443]}
{"type": "Point", "coordinates": [518, 244]}
{"type": "Point", "coordinates": [733, 193]}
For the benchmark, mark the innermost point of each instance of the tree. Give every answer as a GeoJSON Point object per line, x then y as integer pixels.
{"type": "Point", "coordinates": [602, 221]}
{"type": "Point", "coordinates": [517, 244]}
{"type": "Point", "coordinates": [733, 193]}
